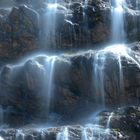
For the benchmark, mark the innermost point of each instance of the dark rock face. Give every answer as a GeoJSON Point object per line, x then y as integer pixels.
{"type": "Point", "coordinates": [23, 29]}
{"type": "Point", "coordinates": [65, 88]}
{"type": "Point", "coordinates": [19, 32]}
{"type": "Point", "coordinates": [124, 120]}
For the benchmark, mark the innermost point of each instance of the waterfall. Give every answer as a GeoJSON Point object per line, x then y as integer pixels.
{"type": "Point", "coordinates": [118, 36]}
{"type": "Point", "coordinates": [43, 135]}
{"type": "Point", "coordinates": [20, 135]}
{"type": "Point", "coordinates": [48, 80]}
{"type": "Point", "coordinates": [118, 33]}
{"type": "Point", "coordinates": [63, 135]}
{"type": "Point", "coordinates": [98, 64]}
{"type": "Point", "coordinates": [94, 132]}
{"type": "Point", "coordinates": [109, 119]}
{"type": "Point", "coordinates": [48, 25]}
{"type": "Point", "coordinates": [1, 138]}
{"type": "Point", "coordinates": [86, 2]}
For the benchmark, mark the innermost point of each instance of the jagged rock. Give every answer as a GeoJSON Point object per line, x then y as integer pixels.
{"type": "Point", "coordinates": [125, 119]}
{"type": "Point", "coordinates": [78, 25]}
{"type": "Point", "coordinates": [70, 132]}
{"type": "Point", "coordinates": [74, 84]}
{"type": "Point", "coordinates": [123, 125]}
{"type": "Point", "coordinates": [19, 32]}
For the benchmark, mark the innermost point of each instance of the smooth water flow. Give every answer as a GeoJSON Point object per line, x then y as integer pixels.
{"type": "Point", "coordinates": [109, 119]}
{"type": "Point", "coordinates": [99, 62]}
{"type": "Point", "coordinates": [49, 80]}
{"type": "Point", "coordinates": [48, 25]}
{"type": "Point", "coordinates": [118, 33]}
{"type": "Point", "coordinates": [118, 36]}
{"type": "Point", "coordinates": [63, 135]}
{"type": "Point", "coordinates": [20, 135]}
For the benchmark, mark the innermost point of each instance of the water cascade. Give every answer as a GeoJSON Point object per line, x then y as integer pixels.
{"type": "Point", "coordinates": [118, 33]}
{"type": "Point", "coordinates": [109, 119]}
{"type": "Point", "coordinates": [20, 135]}
{"type": "Point", "coordinates": [48, 25]}
{"type": "Point", "coordinates": [63, 135]}
{"type": "Point", "coordinates": [93, 132]}
{"type": "Point", "coordinates": [45, 88]}
{"type": "Point", "coordinates": [98, 64]}
{"type": "Point", "coordinates": [101, 56]}
{"type": "Point", "coordinates": [48, 82]}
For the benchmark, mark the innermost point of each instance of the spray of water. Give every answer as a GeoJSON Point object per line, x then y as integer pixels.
{"type": "Point", "coordinates": [1, 138]}
{"type": "Point", "coordinates": [20, 135]}
{"type": "Point", "coordinates": [94, 132]}
{"type": "Point", "coordinates": [63, 135]}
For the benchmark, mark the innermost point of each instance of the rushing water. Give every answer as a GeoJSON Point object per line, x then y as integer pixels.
{"type": "Point", "coordinates": [118, 33]}
{"type": "Point", "coordinates": [94, 132]}
{"type": "Point", "coordinates": [48, 25]}
{"type": "Point", "coordinates": [99, 66]}
{"type": "Point", "coordinates": [48, 80]}
{"type": "Point", "coordinates": [99, 61]}
{"type": "Point", "coordinates": [63, 134]}
{"type": "Point", "coordinates": [45, 71]}
{"type": "Point", "coordinates": [20, 135]}
{"type": "Point", "coordinates": [109, 119]}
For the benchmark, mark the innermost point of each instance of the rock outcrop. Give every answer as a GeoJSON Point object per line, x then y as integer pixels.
{"type": "Point", "coordinates": [23, 30]}
{"type": "Point", "coordinates": [73, 83]}
{"type": "Point", "coordinates": [124, 125]}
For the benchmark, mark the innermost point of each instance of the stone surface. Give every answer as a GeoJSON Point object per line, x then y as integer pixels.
{"type": "Point", "coordinates": [124, 125]}
{"type": "Point", "coordinates": [24, 86]}
{"type": "Point", "coordinates": [78, 26]}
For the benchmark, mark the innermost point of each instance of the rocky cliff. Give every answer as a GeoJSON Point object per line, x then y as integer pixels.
{"type": "Point", "coordinates": [78, 25]}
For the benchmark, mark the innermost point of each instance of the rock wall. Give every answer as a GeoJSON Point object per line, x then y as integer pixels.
{"type": "Point", "coordinates": [122, 128]}
{"type": "Point", "coordinates": [23, 87]}
{"type": "Point", "coordinates": [78, 26]}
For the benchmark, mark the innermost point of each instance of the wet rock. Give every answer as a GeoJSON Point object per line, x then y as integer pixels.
{"type": "Point", "coordinates": [19, 32]}
{"type": "Point", "coordinates": [125, 119]}
{"type": "Point", "coordinates": [74, 89]}
{"type": "Point", "coordinates": [78, 25]}
{"type": "Point", "coordinates": [68, 132]}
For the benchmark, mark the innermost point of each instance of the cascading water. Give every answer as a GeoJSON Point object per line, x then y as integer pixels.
{"type": "Point", "coordinates": [99, 61]}
{"type": "Point", "coordinates": [94, 132]}
{"type": "Point", "coordinates": [118, 36]}
{"type": "Point", "coordinates": [109, 119]}
{"type": "Point", "coordinates": [20, 135]}
{"type": "Point", "coordinates": [46, 75]}
{"type": "Point", "coordinates": [100, 58]}
{"type": "Point", "coordinates": [118, 33]}
{"type": "Point", "coordinates": [48, 80]}
{"type": "Point", "coordinates": [48, 25]}
{"type": "Point", "coordinates": [89, 132]}
{"type": "Point", "coordinates": [63, 135]}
